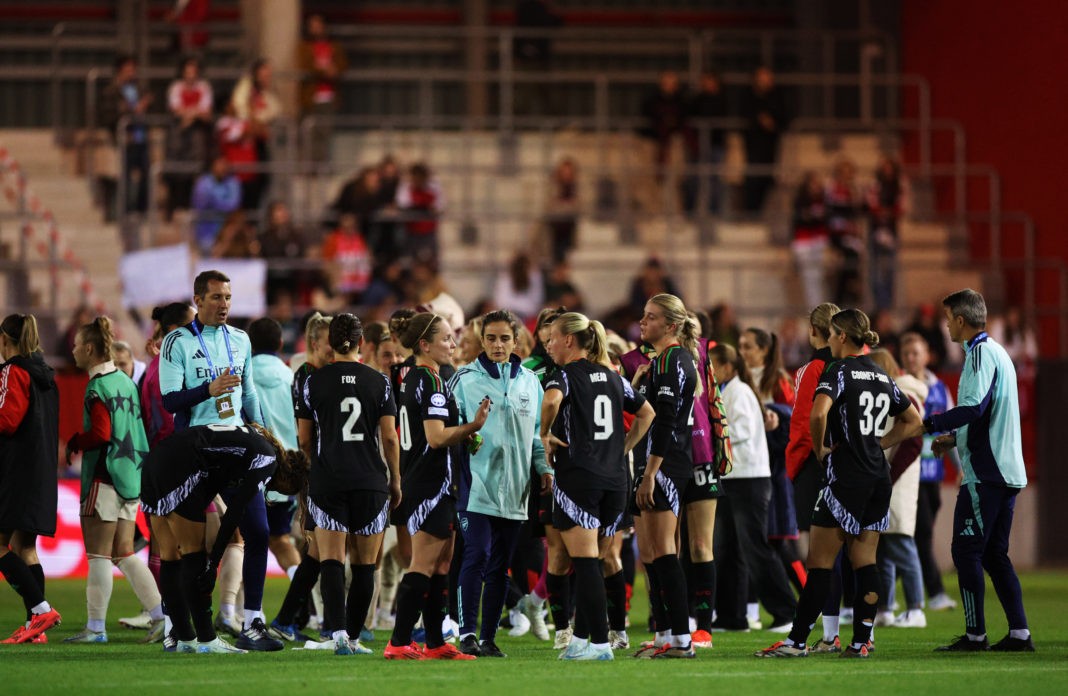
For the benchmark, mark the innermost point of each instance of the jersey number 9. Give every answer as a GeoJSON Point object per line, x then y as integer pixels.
{"type": "Point", "coordinates": [602, 417]}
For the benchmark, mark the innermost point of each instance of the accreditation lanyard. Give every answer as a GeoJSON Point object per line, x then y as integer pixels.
{"type": "Point", "coordinates": [207, 353]}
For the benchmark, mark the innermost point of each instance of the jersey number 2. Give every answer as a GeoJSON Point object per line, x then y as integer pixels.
{"type": "Point", "coordinates": [351, 405]}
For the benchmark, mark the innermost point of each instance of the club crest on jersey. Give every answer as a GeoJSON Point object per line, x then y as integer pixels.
{"type": "Point", "coordinates": [437, 400]}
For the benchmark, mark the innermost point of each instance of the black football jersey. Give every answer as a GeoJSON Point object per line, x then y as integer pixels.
{"type": "Point", "coordinates": [224, 453]}
{"type": "Point", "coordinates": [424, 395]}
{"type": "Point", "coordinates": [347, 400]}
{"type": "Point", "coordinates": [590, 421]}
{"type": "Point", "coordinates": [673, 379]}
{"type": "Point", "coordinates": [865, 398]}
{"type": "Point", "coordinates": [300, 379]}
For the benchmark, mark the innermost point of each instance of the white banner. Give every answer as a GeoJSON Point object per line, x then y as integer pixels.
{"type": "Point", "coordinates": [248, 283]}
{"type": "Point", "coordinates": [156, 276]}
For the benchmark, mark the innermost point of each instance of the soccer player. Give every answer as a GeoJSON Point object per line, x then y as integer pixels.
{"type": "Point", "coordinates": [660, 487]}
{"type": "Point", "coordinates": [556, 566]}
{"type": "Point", "coordinates": [429, 426]}
{"type": "Point", "coordinates": [350, 492]}
{"type": "Point", "coordinates": [853, 403]}
{"type": "Point", "coordinates": [711, 455]}
{"type": "Point", "coordinates": [582, 433]}
{"type": "Point", "coordinates": [206, 377]}
{"type": "Point", "coordinates": [985, 429]}
{"type": "Point", "coordinates": [114, 444]}
{"type": "Point", "coordinates": [319, 354]}
{"type": "Point", "coordinates": [496, 486]}
{"type": "Point", "coordinates": [802, 467]}
{"type": "Point", "coordinates": [29, 454]}
{"type": "Point", "coordinates": [179, 479]}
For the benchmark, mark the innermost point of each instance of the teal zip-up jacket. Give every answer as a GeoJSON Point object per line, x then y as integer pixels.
{"type": "Point", "coordinates": [184, 375]}
{"type": "Point", "coordinates": [274, 391]}
{"type": "Point", "coordinates": [497, 480]}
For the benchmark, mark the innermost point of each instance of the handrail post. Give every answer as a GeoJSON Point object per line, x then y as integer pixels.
{"type": "Point", "coordinates": [995, 220]}
{"type": "Point", "coordinates": [56, 92]}
{"type": "Point", "coordinates": [90, 125]}
{"type": "Point", "coordinates": [959, 174]}
{"type": "Point", "coordinates": [1030, 300]}
{"type": "Point", "coordinates": [925, 127]}
{"type": "Point", "coordinates": [828, 82]}
{"type": "Point", "coordinates": [506, 83]}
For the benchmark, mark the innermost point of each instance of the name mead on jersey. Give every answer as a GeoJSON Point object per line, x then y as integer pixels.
{"type": "Point", "coordinates": [598, 377]}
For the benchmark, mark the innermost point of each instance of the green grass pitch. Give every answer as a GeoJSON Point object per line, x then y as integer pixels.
{"type": "Point", "coordinates": [902, 664]}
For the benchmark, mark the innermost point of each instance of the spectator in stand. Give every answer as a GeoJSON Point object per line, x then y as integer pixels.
{"type": "Point", "coordinates": [389, 179]}
{"type": "Point", "coordinates": [883, 323]}
{"type": "Point", "coordinates": [519, 289]}
{"type": "Point", "coordinates": [281, 242]}
{"type": "Point", "coordinates": [83, 314]}
{"type": "Point", "coordinates": [764, 109]}
{"type": "Point", "coordinates": [189, 101]}
{"type": "Point", "coordinates": [362, 196]}
{"type": "Point", "coordinates": [842, 210]}
{"type": "Point", "coordinates": [217, 194]}
{"type": "Point", "coordinates": [322, 61]}
{"type": "Point", "coordinates": [652, 279]}
{"type": "Point", "coordinates": [885, 203]}
{"type": "Point", "coordinates": [126, 99]}
{"type": "Point", "coordinates": [925, 322]}
{"type": "Point", "coordinates": [421, 202]}
{"type": "Point", "coordinates": [666, 114]}
{"type": "Point", "coordinates": [914, 357]}
{"type": "Point", "coordinates": [189, 17]}
{"type": "Point", "coordinates": [347, 260]}
{"type": "Point", "coordinates": [709, 104]}
{"type": "Point", "coordinates": [560, 290]}
{"type": "Point", "coordinates": [793, 343]}
{"type": "Point", "coordinates": [562, 212]}
{"type": "Point", "coordinates": [1013, 333]}
{"type": "Point", "coordinates": [534, 54]}
{"type": "Point", "coordinates": [235, 142]}
{"type": "Point", "coordinates": [255, 102]}
{"type": "Point", "coordinates": [429, 293]}
{"type": "Point", "coordinates": [724, 326]}
{"type": "Point", "coordinates": [809, 245]}
{"type": "Point", "coordinates": [237, 238]}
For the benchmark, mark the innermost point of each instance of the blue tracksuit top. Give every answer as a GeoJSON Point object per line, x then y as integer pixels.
{"type": "Point", "coordinates": [987, 416]}
{"type": "Point", "coordinates": [184, 375]}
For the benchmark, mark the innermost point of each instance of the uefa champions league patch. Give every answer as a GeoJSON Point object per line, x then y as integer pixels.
{"type": "Point", "coordinates": [437, 399]}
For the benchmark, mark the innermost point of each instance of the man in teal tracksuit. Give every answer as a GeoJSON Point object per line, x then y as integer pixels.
{"type": "Point", "coordinates": [205, 376]}
{"type": "Point", "coordinates": [985, 429]}
{"type": "Point", "coordinates": [496, 484]}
